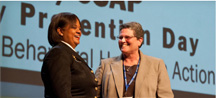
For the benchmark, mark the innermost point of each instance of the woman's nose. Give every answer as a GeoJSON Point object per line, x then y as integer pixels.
{"type": "Point", "coordinates": [79, 32]}
{"type": "Point", "coordinates": [123, 39]}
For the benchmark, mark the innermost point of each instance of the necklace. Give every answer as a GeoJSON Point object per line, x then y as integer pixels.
{"type": "Point", "coordinates": [128, 68]}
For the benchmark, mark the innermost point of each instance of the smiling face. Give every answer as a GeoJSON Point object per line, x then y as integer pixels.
{"type": "Point", "coordinates": [71, 34]}
{"type": "Point", "coordinates": [128, 43]}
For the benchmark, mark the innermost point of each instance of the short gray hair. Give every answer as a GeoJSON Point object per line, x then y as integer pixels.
{"type": "Point", "coordinates": [136, 27]}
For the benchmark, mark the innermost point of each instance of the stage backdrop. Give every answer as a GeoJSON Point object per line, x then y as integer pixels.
{"type": "Point", "coordinates": [181, 33]}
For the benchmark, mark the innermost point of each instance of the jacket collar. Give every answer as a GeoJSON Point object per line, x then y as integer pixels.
{"type": "Point", "coordinates": [142, 73]}
{"type": "Point", "coordinates": [117, 71]}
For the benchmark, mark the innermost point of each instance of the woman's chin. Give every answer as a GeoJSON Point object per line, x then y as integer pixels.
{"type": "Point", "coordinates": [123, 50]}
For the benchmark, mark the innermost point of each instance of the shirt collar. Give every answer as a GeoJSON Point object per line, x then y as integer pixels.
{"type": "Point", "coordinates": [68, 45]}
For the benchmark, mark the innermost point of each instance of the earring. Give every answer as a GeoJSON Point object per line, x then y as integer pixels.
{"type": "Point", "coordinates": [60, 34]}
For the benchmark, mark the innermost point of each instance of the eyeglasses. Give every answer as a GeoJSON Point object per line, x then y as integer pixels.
{"type": "Point", "coordinates": [126, 37]}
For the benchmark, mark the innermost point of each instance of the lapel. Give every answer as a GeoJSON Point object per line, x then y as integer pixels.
{"type": "Point", "coordinates": [77, 57]}
{"type": "Point", "coordinates": [142, 72]}
{"type": "Point", "coordinates": [74, 54]}
{"type": "Point", "coordinates": [117, 71]}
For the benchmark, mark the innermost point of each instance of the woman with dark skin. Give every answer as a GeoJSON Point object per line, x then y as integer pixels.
{"type": "Point", "coordinates": [64, 73]}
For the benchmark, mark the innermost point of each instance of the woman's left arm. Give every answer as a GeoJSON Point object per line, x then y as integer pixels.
{"type": "Point", "coordinates": [164, 88]}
